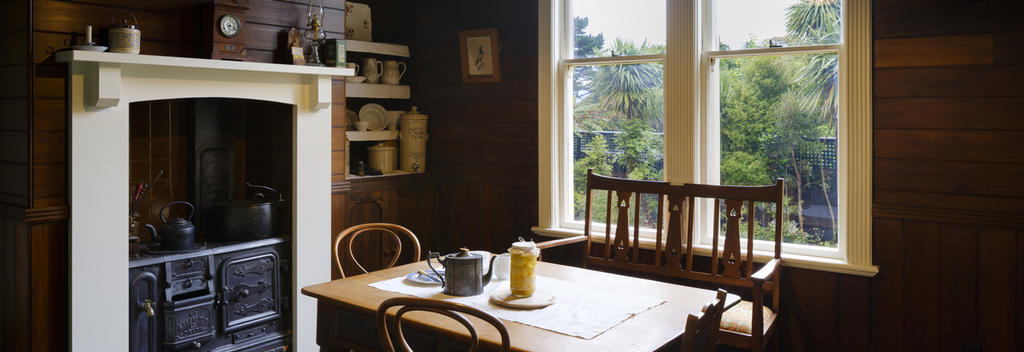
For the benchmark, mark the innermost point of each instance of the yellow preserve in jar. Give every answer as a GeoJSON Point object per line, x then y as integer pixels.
{"type": "Point", "coordinates": [523, 266]}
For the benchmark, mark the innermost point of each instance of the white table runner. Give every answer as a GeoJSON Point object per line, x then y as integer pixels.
{"type": "Point", "coordinates": [580, 310]}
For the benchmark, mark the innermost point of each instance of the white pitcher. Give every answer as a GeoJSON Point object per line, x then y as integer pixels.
{"type": "Point", "coordinates": [392, 74]}
{"type": "Point", "coordinates": [372, 69]}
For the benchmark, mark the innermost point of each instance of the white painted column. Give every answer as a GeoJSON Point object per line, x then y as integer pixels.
{"type": "Point", "coordinates": [311, 211]}
{"type": "Point", "coordinates": [98, 195]}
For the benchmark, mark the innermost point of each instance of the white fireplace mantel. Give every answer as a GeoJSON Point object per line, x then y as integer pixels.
{"type": "Point", "coordinates": [100, 87]}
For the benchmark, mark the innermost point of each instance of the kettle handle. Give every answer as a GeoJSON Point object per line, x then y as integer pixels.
{"type": "Point", "coordinates": [280, 198]}
{"type": "Point", "coordinates": [191, 210]}
{"type": "Point", "coordinates": [152, 232]}
{"type": "Point", "coordinates": [437, 255]}
{"type": "Point", "coordinates": [124, 19]}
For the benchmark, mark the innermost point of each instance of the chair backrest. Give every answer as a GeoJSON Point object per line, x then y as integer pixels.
{"type": "Point", "coordinates": [449, 309]}
{"type": "Point", "coordinates": [701, 333]}
{"type": "Point", "coordinates": [393, 231]}
{"type": "Point", "coordinates": [673, 254]}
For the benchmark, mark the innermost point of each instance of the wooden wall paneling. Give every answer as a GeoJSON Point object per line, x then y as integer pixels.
{"type": "Point", "coordinates": [156, 26]}
{"type": "Point", "coordinates": [853, 316]}
{"type": "Point", "coordinates": [958, 286]}
{"type": "Point", "coordinates": [945, 18]}
{"type": "Point", "coordinates": [795, 321]}
{"type": "Point", "coordinates": [15, 116]}
{"type": "Point", "coordinates": [931, 176]}
{"type": "Point", "coordinates": [976, 146]}
{"type": "Point", "coordinates": [822, 307]}
{"type": "Point", "coordinates": [49, 286]}
{"type": "Point", "coordinates": [951, 81]}
{"type": "Point", "coordinates": [976, 113]}
{"type": "Point", "coordinates": [974, 49]}
{"type": "Point", "coordinates": [16, 85]}
{"type": "Point", "coordinates": [921, 283]}
{"type": "Point", "coordinates": [887, 287]}
{"type": "Point", "coordinates": [1007, 47]}
{"type": "Point", "coordinates": [337, 223]}
{"type": "Point", "coordinates": [15, 48]}
{"type": "Point", "coordinates": [997, 311]}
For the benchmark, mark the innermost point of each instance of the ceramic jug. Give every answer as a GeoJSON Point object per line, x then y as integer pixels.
{"type": "Point", "coordinates": [392, 74]}
{"type": "Point", "coordinates": [372, 69]}
{"type": "Point", "coordinates": [462, 273]}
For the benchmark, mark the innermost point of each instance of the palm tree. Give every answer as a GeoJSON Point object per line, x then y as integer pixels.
{"type": "Point", "coordinates": [628, 89]}
{"type": "Point", "coordinates": [818, 22]}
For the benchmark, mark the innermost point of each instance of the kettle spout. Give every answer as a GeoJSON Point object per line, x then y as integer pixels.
{"type": "Point", "coordinates": [490, 270]}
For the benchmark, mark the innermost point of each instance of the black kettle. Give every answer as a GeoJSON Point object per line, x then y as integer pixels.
{"type": "Point", "coordinates": [462, 276]}
{"type": "Point", "coordinates": [177, 233]}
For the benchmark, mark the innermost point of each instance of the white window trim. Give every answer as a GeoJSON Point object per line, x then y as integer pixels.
{"type": "Point", "coordinates": [682, 118]}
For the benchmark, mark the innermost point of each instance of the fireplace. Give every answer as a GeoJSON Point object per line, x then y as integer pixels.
{"type": "Point", "coordinates": [101, 87]}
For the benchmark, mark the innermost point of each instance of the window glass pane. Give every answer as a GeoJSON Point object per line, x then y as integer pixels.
{"type": "Point", "coordinates": [745, 24]}
{"type": "Point", "coordinates": [605, 28]}
{"type": "Point", "coordinates": [778, 117]}
{"type": "Point", "coordinates": [617, 130]}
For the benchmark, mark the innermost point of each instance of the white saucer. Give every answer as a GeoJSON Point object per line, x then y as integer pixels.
{"type": "Point", "coordinates": [89, 47]}
{"type": "Point", "coordinates": [429, 279]}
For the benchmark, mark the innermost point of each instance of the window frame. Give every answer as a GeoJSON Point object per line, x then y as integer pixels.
{"type": "Point", "coordinates": [687, 130]}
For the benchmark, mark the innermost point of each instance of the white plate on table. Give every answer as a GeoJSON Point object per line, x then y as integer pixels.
{"type": "Point", "coordinates": [376, 114]}
{"type": "Point", "coordinates": [429, 279]}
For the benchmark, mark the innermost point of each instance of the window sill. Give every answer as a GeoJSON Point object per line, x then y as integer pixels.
{"type": "Point", "coordinates": [790, 260]}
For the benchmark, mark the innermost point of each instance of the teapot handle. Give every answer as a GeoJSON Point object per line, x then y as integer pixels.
{"type": "Point", "coordinates": [431, 255]}
{"type": "Point", "coordinates": [191, 210]}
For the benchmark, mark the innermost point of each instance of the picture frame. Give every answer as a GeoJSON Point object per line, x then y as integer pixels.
{"type": "Point", "coordinates": [480, 55]}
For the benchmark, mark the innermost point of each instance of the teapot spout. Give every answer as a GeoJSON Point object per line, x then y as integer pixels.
{"type": "Point", "coordinates": [490, 270]}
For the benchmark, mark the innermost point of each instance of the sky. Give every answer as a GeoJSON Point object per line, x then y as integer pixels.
{"type": "Point", "coordinates": [636, 20]}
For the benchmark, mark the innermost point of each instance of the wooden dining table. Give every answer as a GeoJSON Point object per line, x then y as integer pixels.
{"type": "Point", "coordinates": [347, 311]}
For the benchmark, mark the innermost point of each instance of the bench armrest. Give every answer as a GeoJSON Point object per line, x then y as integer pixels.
{"type": "Point", "coordinates": [769, 270]}
{"type": "Point", "coordinates": [561, 242]}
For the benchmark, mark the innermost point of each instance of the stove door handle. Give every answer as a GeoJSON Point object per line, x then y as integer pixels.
{"type": "Point", "coordinates": [148, 304]}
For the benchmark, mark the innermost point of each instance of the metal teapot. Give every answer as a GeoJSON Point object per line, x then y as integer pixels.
{"type": "Point", "coordinates": [462, 273]}
{"type": "Point", "coordinates": [177, 233]}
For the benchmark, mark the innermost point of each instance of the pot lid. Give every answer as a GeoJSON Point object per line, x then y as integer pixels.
{"type": "Point", "coordinates": [178, 222]}
{"type": "Point", "coordinates": [414, 114]}
{"type": "Point", "coordinates": [245, 202]}
{"type": "Point", "coordinates": [463, 254]}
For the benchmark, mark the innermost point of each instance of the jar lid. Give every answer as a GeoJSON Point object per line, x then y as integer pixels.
{"type": "Point", "coordinates": [523, 247]}
{"type": "Point", "coordinates": [414, 114]}
{"type": "Point", "coordinates": [381, 147]}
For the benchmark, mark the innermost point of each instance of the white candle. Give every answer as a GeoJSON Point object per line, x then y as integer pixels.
{"type": "Point", "coordinates": [88, 34]}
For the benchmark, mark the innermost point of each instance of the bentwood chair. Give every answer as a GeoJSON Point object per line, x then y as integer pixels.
{"type": "Point", "coordinates": [749, 324]}
{"type": "Point", "coordinates": [449, 309]}
{"type": "Point", "coordinates": [701, 333]}
{"type": "Point", "coordinates": [394, 232]}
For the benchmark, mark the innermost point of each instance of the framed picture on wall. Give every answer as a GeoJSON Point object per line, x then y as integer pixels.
{"type": "Point", "coordinates": [481, 60]}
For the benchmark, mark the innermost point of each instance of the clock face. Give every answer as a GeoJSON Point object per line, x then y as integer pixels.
{"type": "Point", "coordinates": [230, 25]}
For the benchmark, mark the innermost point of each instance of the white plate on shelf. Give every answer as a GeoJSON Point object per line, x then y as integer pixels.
{"type": "Point", "coordinates": [89, 47]}
{"type": "Point", "coordinates": [358, 25]}
{"type": "Point", "coordinates": [375, 114]}
{"type": "Point", "coordinates": [429, 279]}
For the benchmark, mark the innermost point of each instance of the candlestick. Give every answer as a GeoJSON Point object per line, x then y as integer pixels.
{"type": "Point", "coordinates": [88, 34]}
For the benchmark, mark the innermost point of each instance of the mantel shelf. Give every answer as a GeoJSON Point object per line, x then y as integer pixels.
{"type": "Point", "coordinates": [187, 62]}
{"type": "Point", "coordinates": [360, 46]}
{"type": "Point", "coordinates": [105, 76]}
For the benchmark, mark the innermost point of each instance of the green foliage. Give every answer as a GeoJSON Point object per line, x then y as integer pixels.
{"type": "Point", "coordinates": [742, 168]}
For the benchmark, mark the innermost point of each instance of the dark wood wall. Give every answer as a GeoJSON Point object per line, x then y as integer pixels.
{"type": "Point", "coordinates": [15, 156]}
{"type": "Point", "coordinates": [33, 134]}
{"type": "Point", "coordinates": [482, 147]}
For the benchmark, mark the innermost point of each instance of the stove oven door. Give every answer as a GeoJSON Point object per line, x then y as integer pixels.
{"type": "Point", "coordinates": [142, 311]}
{"type": "Point", "coordinates": [250, 290]}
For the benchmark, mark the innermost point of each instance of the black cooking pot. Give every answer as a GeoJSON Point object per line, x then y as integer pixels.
{"type": "Point", "coordinates": [247, 219]}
